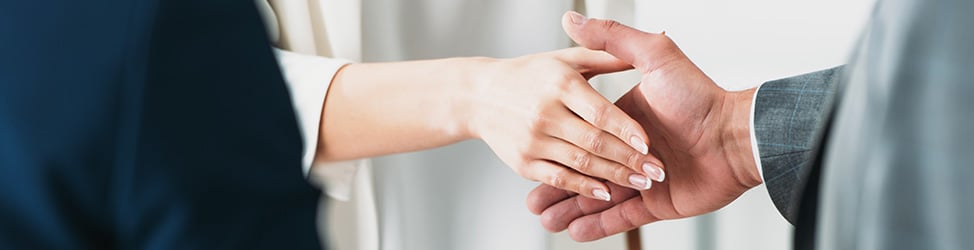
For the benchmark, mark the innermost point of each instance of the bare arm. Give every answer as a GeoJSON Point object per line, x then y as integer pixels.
{"type": "Point", "coordinates": [383, 108]}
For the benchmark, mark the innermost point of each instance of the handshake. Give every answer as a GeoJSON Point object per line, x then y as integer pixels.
{"type": "Point", "coordinates": [698, 135]}
{"type": "Point", "coordinates": [699, 144]}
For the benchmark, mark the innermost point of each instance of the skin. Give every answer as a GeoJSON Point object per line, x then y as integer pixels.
{"type": "Point", "coordinates": [536, 112]}
{"type": "Point", "coordinates": [699, 131]}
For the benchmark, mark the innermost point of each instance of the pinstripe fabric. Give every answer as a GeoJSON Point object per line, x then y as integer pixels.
{"type": "Point", "coordinates": [787, 114]}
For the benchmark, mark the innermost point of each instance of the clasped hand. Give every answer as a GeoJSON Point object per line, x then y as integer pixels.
{"type": "Point", "coordinates": [575, 138]}
{"type": "Point", "coordinates": [699, 131]}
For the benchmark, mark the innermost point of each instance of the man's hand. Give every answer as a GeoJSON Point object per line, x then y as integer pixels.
{"type": "Point", "coordinates": [699, 131]}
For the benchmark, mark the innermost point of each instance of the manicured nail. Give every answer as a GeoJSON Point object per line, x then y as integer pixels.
{"type": "Point", "coordinates": [638, 144]}
{"type": "Point", "coordinates": [601, 194]}
{"type": "Point", "coordinates": [654, 172]}
{"type": "Point", "coordinates": [640, 182]}
{"type": "Point", "coordinates": [576, 18]}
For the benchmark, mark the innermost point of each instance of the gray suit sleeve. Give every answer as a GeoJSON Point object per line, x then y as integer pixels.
{"type": "Point", "coordinates": [787, 115]}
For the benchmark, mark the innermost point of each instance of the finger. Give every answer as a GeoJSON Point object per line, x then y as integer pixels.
{"type": "Point", "coordinates": [645, 51]}
{"type": "Point", "coordinates": [598, 141]}
{"type": "Point", "coordinates": [622, 217]}
{"type": "Point", "coordinates": [590, 63]}
{"type": "Point", "coordinates": [582, 100]}
{"type": "Point", "coordinates": [592, 165]}
{"type": "Point", "coordinates": [653, 167]}
{"type": "Point", "coordinates": [563, 177]}
{"type": "Point", "coordinates": [544, 195]}
{"type": "Point", "coordinates": [557, 217]}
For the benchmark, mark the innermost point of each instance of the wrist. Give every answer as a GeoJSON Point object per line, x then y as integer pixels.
{"type": "Point", "coordinates": [736, 136]}
{"type": "Point", "coordinates": [470, 86]}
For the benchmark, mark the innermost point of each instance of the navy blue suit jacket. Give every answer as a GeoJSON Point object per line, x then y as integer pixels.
{"type": "Point", "coordinates": [146, 124]}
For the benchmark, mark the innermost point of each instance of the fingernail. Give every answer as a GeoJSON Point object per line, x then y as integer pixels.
{"type": "Point", "coordinates": [654, 172]}
{"type": "Point", "coordinates": [640, 182]}
{"type": "Point", "coordinates": [639, 144]}
{"type": "Point", "coordinates": [601, 194]}
{"type": "Point", "coordinates": [576, 18]}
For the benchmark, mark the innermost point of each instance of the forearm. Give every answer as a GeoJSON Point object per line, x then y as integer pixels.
{"type": "Point", "coordinates": [383, 108]}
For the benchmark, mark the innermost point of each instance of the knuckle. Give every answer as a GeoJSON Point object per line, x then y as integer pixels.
{"type": "Point", "coordinates": [633, 159]}
{"type": "Point", "coordinates": [558, 180]}
{"type": "Point", "coordinates": [621, 173]}
{"type": "Point", "coordinates": [610, 25]}
{"type": "Point", "coordinates": [625, 129]}
{"type": "Point", "coordinates": [562, 82]}
{"type": "Point", "coordinates": [595, 140]}
{"type": "Point", "coordinates": [538, 122]}
{"type": "Point", "coordinates": [583, 184]}
{"type": "Point", "coordinates": [582, 161]}
{"type": "Point", "coordinates": [600, 114]}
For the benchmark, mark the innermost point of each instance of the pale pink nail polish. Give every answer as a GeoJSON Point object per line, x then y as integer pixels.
{"type": "Point", "coordinates": [654, 172]}
{"type": "Point", "coordinates": [601, 194]}
{"type": "Point", "coordinates": [638, 144]}
{"type": "Point", "coordinates": [640, 182]}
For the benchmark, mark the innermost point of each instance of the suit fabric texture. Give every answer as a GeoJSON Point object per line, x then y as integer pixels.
{"type": "Point", "coordinates": [146, 125]}
{"type": "Point", "coordinates": [893, 165]}
{"type": "Point", "coordinates": [898, 164]}
{"type": "Point", "coordinates": [787, 116]}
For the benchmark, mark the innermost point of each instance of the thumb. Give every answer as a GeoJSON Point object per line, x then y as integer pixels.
{"type": "Point", "coordinates": [645, 51]}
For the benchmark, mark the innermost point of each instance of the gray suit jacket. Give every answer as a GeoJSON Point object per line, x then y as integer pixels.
{"type": "Point", "coordinates": [787, 115]}
{"type": "Point", "coordinates": [897, 165]}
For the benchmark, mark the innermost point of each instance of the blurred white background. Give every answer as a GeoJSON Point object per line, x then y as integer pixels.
{"type": "Point", "coordinates": [740, 44]}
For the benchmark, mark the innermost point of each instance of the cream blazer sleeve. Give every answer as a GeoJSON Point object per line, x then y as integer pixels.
{"type": "Point", "coordinates": [304, 52]}
{"type": "Point", "coordinates": [311, 49]}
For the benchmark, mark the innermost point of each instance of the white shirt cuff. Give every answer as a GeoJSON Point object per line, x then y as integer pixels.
{"type": "Point", "coordinates": [308, 78]}
{"type": "Point", "coordinates": [754, 138]}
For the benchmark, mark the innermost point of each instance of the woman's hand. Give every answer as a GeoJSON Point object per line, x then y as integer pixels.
{"type": "Point", "coordinates": [541, 117]}
{"type": "Point", "coordinates": [700, 130]}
